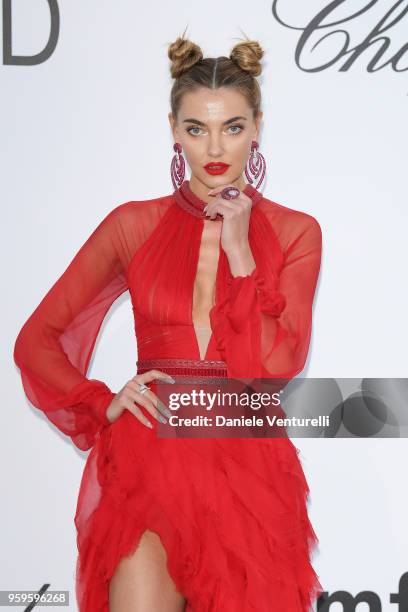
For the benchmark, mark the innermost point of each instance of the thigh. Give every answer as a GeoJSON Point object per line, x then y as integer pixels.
{"type": "Point", "coordinates": [141, 582]}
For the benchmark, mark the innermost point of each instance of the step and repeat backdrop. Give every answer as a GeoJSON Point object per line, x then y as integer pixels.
{"type": "Point", "coordinates": [83, 115]}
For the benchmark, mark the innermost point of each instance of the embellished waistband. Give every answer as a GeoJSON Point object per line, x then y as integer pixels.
{"type": "Point", "coordinates": [185, 367]}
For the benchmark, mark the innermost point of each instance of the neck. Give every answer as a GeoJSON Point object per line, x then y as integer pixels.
{"type": "Point", "coordinates": [201, 189]}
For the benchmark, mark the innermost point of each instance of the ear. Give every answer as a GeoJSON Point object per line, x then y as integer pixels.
{"type": "Point", "coordinates": [258, 121]}
{"type": "Point", "coordinates": [173, 127]}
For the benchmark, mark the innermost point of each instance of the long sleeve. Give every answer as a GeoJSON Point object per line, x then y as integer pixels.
{"type": "Point", "coordinates": [54, 347]}
{"type": "Point", "coordinates": [263, 328]}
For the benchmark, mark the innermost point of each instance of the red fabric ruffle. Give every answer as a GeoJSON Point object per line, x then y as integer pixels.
{"type": "Point", "coordinates": [236, 321]}
{"type": "Point", "coordinates": [231, 515]}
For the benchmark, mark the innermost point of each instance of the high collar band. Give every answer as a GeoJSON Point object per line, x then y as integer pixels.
{"type": "Point", "coordinates": [194, 205]}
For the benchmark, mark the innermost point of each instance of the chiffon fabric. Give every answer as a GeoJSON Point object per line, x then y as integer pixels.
{"type": "Point", "coordinates": [230, 512]}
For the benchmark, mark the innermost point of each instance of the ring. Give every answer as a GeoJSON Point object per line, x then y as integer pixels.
{"type": "Point", "coordinates": [143, 388]}
{"type": "Point", "coordinates": [230, 193]}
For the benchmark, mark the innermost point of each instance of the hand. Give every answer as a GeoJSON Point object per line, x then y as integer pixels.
{"type": "Point", "coordinates": [130, 394]}
{"type": "Point", "coordinates": [236, 214]}
{"type": "Point", "coordinates": [234, 231]}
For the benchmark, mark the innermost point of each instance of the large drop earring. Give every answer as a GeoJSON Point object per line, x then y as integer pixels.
{"type": "Point", "coordinates": [256, 165]}
{"type": "Point", "coordinates": [178, 166]}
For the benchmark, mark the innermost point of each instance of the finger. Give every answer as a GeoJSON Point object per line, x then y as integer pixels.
{"type": "Point", "coordinates": [218, 189]}
{"type": "Point", "coordinates": [129, 404]}
{"type": "Point", "coordinates": [152, 397]}
{"type": "Point", "coordinates": [223, 208]}
{"type": "Point", "coordinates": [151, 375]}
{"type": "Point", "coordinates": [138, 397]}
{"type": "Point", "coordinates": [242, 200]}
{"type": "Point", "coordinates": [148, 400]}
{"type": "Point", "coordinates": [229, 208]}
{"type": "Point", "coordinates": [152, 409]}
{"type": "Point", "coordinates": [219, 202]}
{"type": "Point", "coordinates": [135, 410]}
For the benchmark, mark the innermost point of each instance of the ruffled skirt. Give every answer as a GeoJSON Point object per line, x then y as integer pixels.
{"type": "Point", "coordinates": [231, 515]}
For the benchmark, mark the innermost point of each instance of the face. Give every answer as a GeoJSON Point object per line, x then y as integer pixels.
{"type": "Point", "coordinates": [215, 126]}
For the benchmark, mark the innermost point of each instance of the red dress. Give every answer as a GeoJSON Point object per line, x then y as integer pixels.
{"type": "Point", "coordinates": [231, 513]}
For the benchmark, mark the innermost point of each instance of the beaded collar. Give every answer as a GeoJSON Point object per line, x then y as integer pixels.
{"type": "Point", "coordinates": [194, 205]}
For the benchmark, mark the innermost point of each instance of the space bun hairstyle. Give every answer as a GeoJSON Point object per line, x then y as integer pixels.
{"type": "Point", "coordinates": [192, 70]}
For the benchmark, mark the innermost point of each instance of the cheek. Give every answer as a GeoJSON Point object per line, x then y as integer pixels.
{"type": "Point", "coordinates": [240, 151]}
{"type": "Point", "coordinates": [193, 151]}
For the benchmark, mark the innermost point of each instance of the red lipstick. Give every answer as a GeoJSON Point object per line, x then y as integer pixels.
{"type": "Point", "coordinates": [216, 167]}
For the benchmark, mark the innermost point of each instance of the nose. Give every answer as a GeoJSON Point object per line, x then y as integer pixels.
{"type": "Point", "coordinates": [215, 148]}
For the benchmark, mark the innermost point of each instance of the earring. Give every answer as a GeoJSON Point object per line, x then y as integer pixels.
{"type": "Point", "coordinates": [256, 165]}
{"type": "Point", "coordinates": [178, 166]}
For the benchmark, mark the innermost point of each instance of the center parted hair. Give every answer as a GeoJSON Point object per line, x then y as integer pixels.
{"type": "Point", "coordinates": [191, 70]}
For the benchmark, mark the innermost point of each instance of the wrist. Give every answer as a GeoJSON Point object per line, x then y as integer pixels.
{"type": "Point", "coordinates": [241, 260]}
{"type": "Point", "coordinates": [99, 404]}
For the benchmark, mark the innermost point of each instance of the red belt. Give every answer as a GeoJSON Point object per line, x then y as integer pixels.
{"type": "Point", "coordinates": [185, 367]}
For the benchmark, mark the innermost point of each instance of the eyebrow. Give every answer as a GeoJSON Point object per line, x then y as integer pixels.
{"type": "Point", "coordinates": [192, 120]}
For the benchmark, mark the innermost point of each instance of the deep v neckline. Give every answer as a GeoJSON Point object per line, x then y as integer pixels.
{"type": "Point", "coordinates": [194, 205]}
{"type": "Point", "coordinates": [215, 292]}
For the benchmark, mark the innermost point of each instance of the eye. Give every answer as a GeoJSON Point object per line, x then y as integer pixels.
{"type": "Point", "coordinates": [240, 127]}
{"type": "Point", "coordinates": [193, 128]}
{"type": "Point", "coordinates": [231, 127]}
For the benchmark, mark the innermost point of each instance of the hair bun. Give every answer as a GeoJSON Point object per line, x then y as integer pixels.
{"type": "Point", "coordinates": [183, 55]}
{"type": "Point", "coordinates": [247, 55]}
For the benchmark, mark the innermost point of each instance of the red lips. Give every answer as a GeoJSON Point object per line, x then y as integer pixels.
{"type": "Point", "coordinates": [216, 167]}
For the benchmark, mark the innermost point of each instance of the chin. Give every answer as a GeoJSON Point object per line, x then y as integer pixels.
{"type": "Point", "coordinates": [219, 179]}
{"type": "Point", "coordinates": [212, 181]}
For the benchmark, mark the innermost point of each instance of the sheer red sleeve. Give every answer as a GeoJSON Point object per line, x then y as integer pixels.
{"type": "Point", "coordinates": [54, 347]}
{"type": "Point", "coordinates": [262, 328]}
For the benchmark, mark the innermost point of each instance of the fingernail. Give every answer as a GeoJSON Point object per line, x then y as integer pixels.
{"type": "Point", "coordinates": [205, 208]}
{"type": "Point", "coordinates": [167, 412]}
{"type": "Point", "coordinates": [170, 380]}
{"type": "Point", "coordinates": [148, 423]}
{"type": "Point", "coordinates": [162, 419]}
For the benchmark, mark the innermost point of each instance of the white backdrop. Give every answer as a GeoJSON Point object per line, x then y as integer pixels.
{"type": "Point", "coordinates": [87, 129]}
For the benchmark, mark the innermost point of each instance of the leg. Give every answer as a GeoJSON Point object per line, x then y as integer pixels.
{"type": "Point", "coordinates": [141, 582]}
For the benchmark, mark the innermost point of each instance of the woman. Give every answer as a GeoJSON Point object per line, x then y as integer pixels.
{"type": "Point", "coordinates": [222, 282]}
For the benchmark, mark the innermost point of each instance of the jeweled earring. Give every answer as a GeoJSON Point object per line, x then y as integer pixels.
{"type": "Point", "coordinates": [178, 166]}
{"type": "Point", "coordinates": [256, 165]}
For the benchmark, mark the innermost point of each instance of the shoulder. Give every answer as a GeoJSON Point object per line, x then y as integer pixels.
{"type": "Point", "coordinates": [132, 221]}
{"type": "Point", "coordinates": [140, 212]}
{"type": "Point", "coordinates": [128, 224]}
{"type": "Point", "coordinates": [139, 207]}
{"type": "Point", "coordinates": [289, 224]}
{"type": "Point", "coordinates": [283, 215]}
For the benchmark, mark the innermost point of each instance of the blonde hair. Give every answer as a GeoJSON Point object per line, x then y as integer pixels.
{"type": "Point", "coordinates": [191, 70]}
